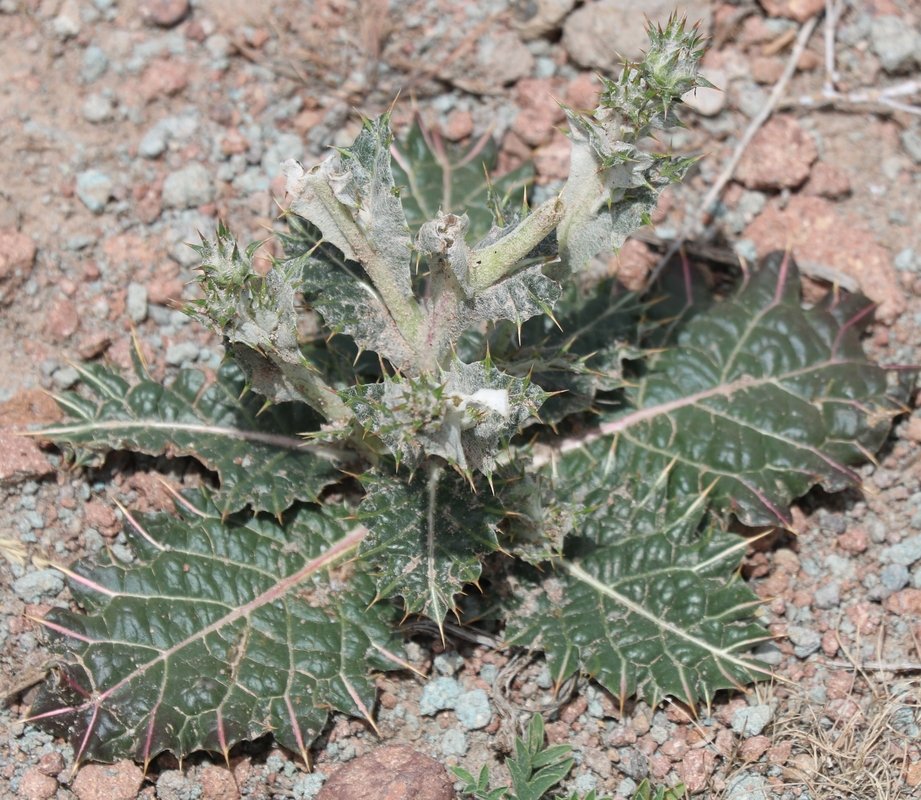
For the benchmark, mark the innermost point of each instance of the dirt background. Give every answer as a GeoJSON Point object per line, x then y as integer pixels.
{"type": "Point", "coordinates": [127, 127]}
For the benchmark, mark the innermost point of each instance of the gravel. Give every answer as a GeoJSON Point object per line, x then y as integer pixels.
{"type": "Point", "coordinates": [806, 641]}
{"type": "Point", "coordinates": [438, 695]}
{"type": "Point", "coordinates": [896, 44]}
{"type": "Point", "coordinates": [454, 743]}
{"type": "Point", "coordinates": [32, 586]}
{"type": "Point", "coordinates": [828, 596]}
{"type": "Point", "coordinates": [182, 353]}
{"type": "Point", "coordinates": [745, 786]}
{"type": "Point", "coordinates": [98, 108]}
{"type": "Point", "coordinates": [894, 577]}
{"type": "Point", "coordinates": [95, 63]}
{"type": "Point", "coordinates": [188, 187]}
{"type": "Point", "coordinates": [751, 721]}
{"type": "Point", "coordinates": [136, 302]}
{"type": "Point", "coordinates": [906, 552]}
{"type": "Point", "coordinates": [94, 188]}
{"type": "Point", "coordinates": [473, 709]}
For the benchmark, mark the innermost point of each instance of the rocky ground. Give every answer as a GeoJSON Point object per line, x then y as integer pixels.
{"type": "Point", "coordinates": [127, 127]}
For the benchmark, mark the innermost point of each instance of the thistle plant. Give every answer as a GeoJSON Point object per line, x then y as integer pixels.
{"type": "Point", "coordinates": [467, 396]}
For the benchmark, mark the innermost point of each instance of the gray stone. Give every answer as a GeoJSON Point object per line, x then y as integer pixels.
{"type": "Point", "coordinates": [181, 353]}
{"type": "Point", "coordinates": [67, 23]}
{"type": "Point", "coordinates": [307, 786]}
{"type": "Point", "coordinates": [905, 261]}
{"type": "Point", "coordinates": [473, 709]}
{"type": "Point", "coordinates": [534, 18]}
{"type": "Point", "coordinates": [153, 143]}
{"type": "Point", "coordinates": [896, 44]}
{"type": "Point", "coordinates": [173, 785]}
{"type": "Point", "coordinates": [627, 787]}
{"type": "Point", "coordinates": [448, 663]}
{"type": "Point", "coordinates": [94, 188]}
{"type": "Point", "coordinates": [95, 63]}
{"type": "Point", "coordinates": [98, 108]}
{"type": "Point", "coordinates": [438, 695]}
{"type": "Point", "coordinates": [188, 187]}
{"type": "Point", "coordinates": [601, 33]}
{"type": "Point", "coordinates": [32, 586]}
{"type": "Point", "coordinates": [65, 377]}
{"type": "Point", "coordinates": [454, 743]}
{"type": "Point", "coordinates": [746, 786]}
{"type": "Point", "coordinates": [806, 641]}
{"type": "Point", "coordinates": [709, 101]}
{"type": "Point", "coordinates": [633, 763]}
{"type": "Point", "coordinates": [751, 721]}
{"type": "Point", "coordinates": [828, 596]}
{"type": "Point", "coordinates": [136, 302]}
{"type": "Point", "coordinates": [906, 552]}
{"type": "Point", "coordinates": [894, 577]}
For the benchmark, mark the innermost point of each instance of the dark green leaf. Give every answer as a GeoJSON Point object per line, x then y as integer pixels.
{"type": "Point", "coordinates": [427, 537]}
{"type": "Point", "coordinates": [220, 630]}
{"type": "Point", "coordinates": [642, 601]}
{"type": "Point", "coordinates": [258, 462]}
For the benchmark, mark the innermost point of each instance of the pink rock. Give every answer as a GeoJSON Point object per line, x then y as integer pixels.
{"type": "Point", "coordinates": [395, 772]}
{"type": "Point", "coordinates": [63, 320]}
{"type": "Point", "coordinates": [217, 783]}
{"type": "Point", "coordinates": [21, 459]}
{"type": "Point", "coordinates": [163, 78]}
{"type": "Point", "coordinates": [827, 180]}
{"type": "Point", "coordinates": [119, 781]}
{"type": "Point", "coordinates": [696, 768]}
{"type": "Point", "coordinates": [778, 157]}
{"type": "Point", "coordinates": [540, 114]}
{"type": "Point", "coordinates": [459, 125]}
{"type": "Point", "coordinates": [582, 92]}
{"type": "Point", "coordinates": [814, 231]}
{"type": "Point", "coordinates": [800, 10]}
{"type": "Point", "coordinates": [17, 257]}
{"type": "Point", "coordinates": [164, 13]}
{"type": "Point", "coordinates": [35, 785]}
{"type": "Point", "coordinates": [854, 541]}
{"type": "Point", "coordinates": [906, 603]}
{"type": "Point", "coordinates": [752, 749]}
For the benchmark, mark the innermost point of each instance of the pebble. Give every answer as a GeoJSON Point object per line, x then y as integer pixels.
{"type": "Point", "coordinates": [905, 260]}
{"type": "Point", "coordinates": [119, 781]}
{"type": "Point", "coordinates": [779, 156]}
{"type": "Point", "coordinates": [307, 786]}
{"type": "Point", "coordinates": [65, 377]}
{"type": "Point", "coordinates": [188, 187]}
{"type": "Point", "coordinates": [828, 596]}
{"type": "Point", "coordinates": [98, 108]}
{"type": "Point", "coordinates": [751, 721]}
{"type": "Point", "coordinates": [67, 23]}
{"type": "Point", "coordinates": [906, 552]}
{"type": "Point", "coordinates": [173, 785]}
{"type": "Point", "coordinates": [896, 44]}
{"type": "Point", "coordinates": [894, 577]}
{"type": "Point", "coordinates": [395, 772]}
{"type": "Point", "coordinates": [448, 663]}
{"type": "Point", "coordinates": [454, 743]}
{"type": "Point", "coordinates": [35, 785]}
{"type": "Point", "coordinates": [745, 786]}
{"type": "Point", "coordinates": [32, 586]}
{"type": "Point", "coordinates": [473, 709]}
{"type": "Point", "coordinates": [95, 63]}
{"type": "Point", "coordinates": [94, 188]}
{"type": "Point", "coordinates": [806, 641]}
{"type": "Point", "coordinates": [136, 302]}
{"type": "Point", "coordinates": [709, 101]}
{"type": "Point", "coordinates": [438, 695]}
{"type": "Point", "coordinates": [153, 143]}
{"type": "Point", "coordinates": [164, 13]}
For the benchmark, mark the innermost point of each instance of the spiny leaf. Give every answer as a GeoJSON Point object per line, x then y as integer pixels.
{"type": "Point", "coordinates": [577, 353]}
{"type": "Point", "coordinates": [427, 537]}
{"type": "Point", "coordinates": [257, 316]}
{"type": "Point", "coordinates": [257, 463]}
{"type": "Point", "coordinates": [758, 397]}
{"type": "Point", "coordinates": [219, 631]}
{"type": "Point", "coordinates": [436, 176]}
{"type": "Point", "coordinates": [341, 293]}
{"type": "Point", "coordinates": [642, 600]}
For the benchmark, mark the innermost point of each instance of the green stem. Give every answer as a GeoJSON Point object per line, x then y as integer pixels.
{"type": "Point", "coordinates": [494, 262]}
